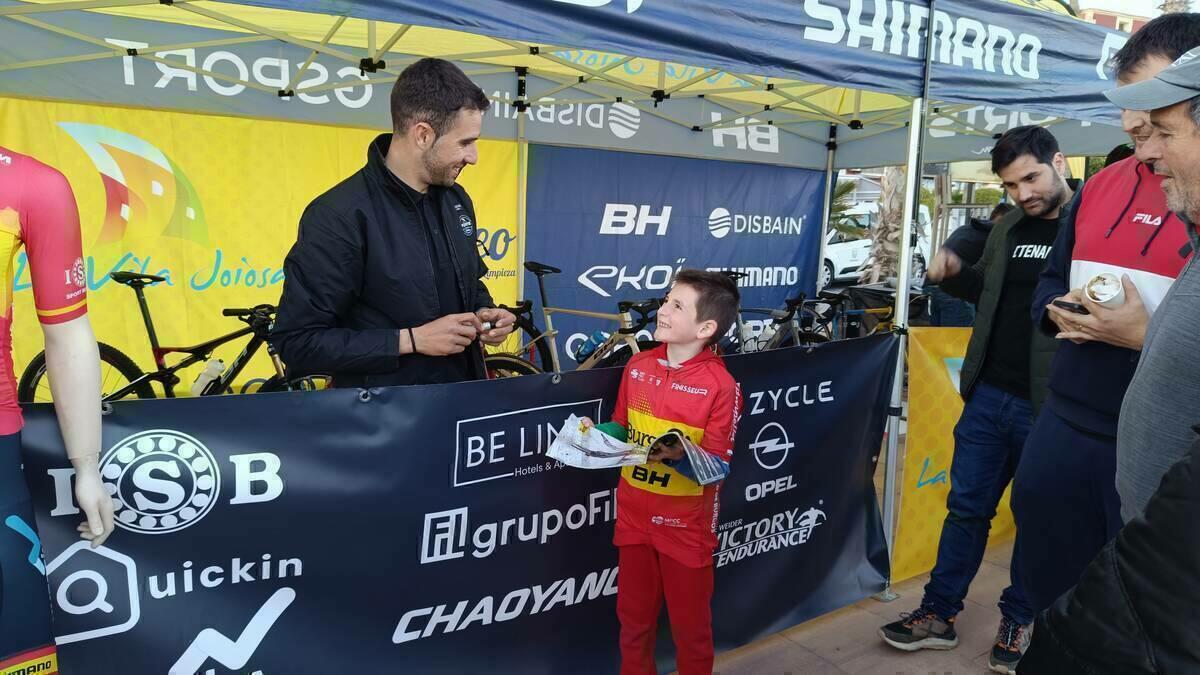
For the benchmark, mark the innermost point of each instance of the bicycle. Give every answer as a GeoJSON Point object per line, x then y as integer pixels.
{"type": "Point", "coordinates": [542, 346]}
{"type": "Point", "coordinates": [787, 327]}
{"type": "Point", "coordinates": [34, 386]}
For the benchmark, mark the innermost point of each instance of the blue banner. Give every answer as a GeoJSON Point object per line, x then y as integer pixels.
{"type": "Point", "coordinates": [988, 52]}
{"type": "Point", "coordinates": [619, 225]}
{"type": "Point", "coordinates": [423, 530]}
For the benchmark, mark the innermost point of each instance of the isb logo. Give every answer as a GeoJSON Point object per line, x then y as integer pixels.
{"type": "Point", "coordinates": [163, 481]}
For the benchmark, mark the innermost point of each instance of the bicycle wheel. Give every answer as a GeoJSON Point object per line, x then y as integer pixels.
{"type": "Point", "coordinates": [536, 349]}
{"type": "Point", "coordinates": [621, 355]}
{"type": "Point", "coordinates": [116, 371]}
{"type": "Point", "coordinates": [507, 365]}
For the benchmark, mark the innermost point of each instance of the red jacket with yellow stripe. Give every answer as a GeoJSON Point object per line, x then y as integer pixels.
{"type": "Point", "coordinates": [656, 505]}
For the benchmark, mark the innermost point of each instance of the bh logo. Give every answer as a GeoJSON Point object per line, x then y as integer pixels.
{"type": "Point", "coordinates": [161, 481]}
{"type": "Point", "coordinates": [720, 222]}
{"type": "Point", "coordinates": [624, 120]}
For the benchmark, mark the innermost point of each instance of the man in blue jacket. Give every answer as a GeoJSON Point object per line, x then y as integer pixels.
{"type": "Point", "coordinates": [1064, 496]}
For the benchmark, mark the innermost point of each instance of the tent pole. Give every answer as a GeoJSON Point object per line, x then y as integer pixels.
{"type": "Point", "coordinates": [830, 182]}
{"type": "Point", "coordinates": [916, 151]}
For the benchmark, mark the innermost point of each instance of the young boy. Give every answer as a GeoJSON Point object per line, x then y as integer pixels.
{"type": "Point", "coordinates": [666, 521]}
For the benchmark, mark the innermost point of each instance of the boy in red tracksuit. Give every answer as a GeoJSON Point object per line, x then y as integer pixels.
{"type": "Point", "coordinates": [666, 521]}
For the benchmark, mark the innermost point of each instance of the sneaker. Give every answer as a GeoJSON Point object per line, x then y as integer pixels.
{"type": "Point", "coordinates": [921, 629]}
{"type": "Point", "coordinates": [1011, 642]}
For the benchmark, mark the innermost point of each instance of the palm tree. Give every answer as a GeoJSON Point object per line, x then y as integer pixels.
{"type": "Point", "coordinates": [885, 236]}
{"type": "Point", "coordinates": [839, 205]}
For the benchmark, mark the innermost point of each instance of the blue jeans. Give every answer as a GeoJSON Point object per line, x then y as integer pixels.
{"type": "Point", "coordinates": [947, 310]}
{"type": "Point", "coordinates": [988, 441]}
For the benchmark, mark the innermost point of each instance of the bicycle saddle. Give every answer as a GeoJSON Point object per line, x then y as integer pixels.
{"type": "Point", "coordinates": [540, 270]}
{"type": "Point", "coordinates": [128, 278]}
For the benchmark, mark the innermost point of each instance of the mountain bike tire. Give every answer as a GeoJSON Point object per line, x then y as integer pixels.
{"type": "Point", "coordinates": [34, 386]}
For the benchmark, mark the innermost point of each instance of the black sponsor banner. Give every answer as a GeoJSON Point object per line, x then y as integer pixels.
{"type": "Point", "coordinates": [423, 529]}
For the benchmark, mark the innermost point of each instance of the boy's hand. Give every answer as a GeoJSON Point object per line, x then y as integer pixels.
{"type": "Point", "coordinates": [660, 452]}
{"type": "Point", "coordinates": [586, 423]}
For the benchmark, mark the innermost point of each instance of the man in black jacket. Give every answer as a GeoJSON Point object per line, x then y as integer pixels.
{"type": "Point", "coordinates": [967, 243]}
{"type": "Point", "coordinates": [999, 386]}
{"type": "Point", "coordinates": [1134, 609]}
{"type": "Point", "coordinates": [384, 284]}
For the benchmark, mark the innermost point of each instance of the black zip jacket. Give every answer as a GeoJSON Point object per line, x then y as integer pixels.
{"type": "Point", "coordinates": [362, 270]}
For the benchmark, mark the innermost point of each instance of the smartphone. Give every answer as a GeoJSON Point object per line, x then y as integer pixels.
{"type": "Point", "coordinates": [1071, 306]}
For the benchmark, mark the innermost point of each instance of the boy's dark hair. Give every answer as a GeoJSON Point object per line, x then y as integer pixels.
{"type": "Point", "coordinates": [1020, 141]}
{"type": "Point", "coordinates": [1122, 151]}
{"type": "Point", "coordinates": [1169, 36]}
{"type": "Point", "coordinates": [718, 298]}
{"type": "Point", "coordinates": [433, 91]}
{"type": "Point", "coordinates": [1000, 210]}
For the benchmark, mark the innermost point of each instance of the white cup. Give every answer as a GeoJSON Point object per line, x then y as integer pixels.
{"type": "Point", "coordinates": [1105, 289]}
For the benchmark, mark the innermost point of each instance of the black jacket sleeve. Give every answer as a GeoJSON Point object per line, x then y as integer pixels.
{"type": "Point", "coordinates": [322, 279]}
{"type": "Point", "coordinates": [968, 283]}
{"type": "Point", "coordinates": [1134, 609]}
{"type": "Point", "coordinates": [483, 297]}
{"type": "Point", "coordinates": [1055, 279]}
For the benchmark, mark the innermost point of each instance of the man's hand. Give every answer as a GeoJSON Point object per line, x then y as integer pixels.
{"type": "Point", "coordinates": [1065, 319]}
{"type": "Point", "coordinates": [502, 322]}
{"type": "Point", "coordinates": [451, 334]}
{"type": "Point", "coordinates": [1123, 326]}
{"type": "Point", "coordinates": [586, 423]}
{"type": "Point", "coordinates": [94, 501]}
{"type": "Point", "coordinates": [660, 452]}
{"type": "Point", "coordinates": [946, 264]}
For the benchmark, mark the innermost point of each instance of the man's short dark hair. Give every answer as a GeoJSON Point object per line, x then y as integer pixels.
{"type": "Point", "coordinates": [1169, 36]}
{"type": "Point", "coordinates": [1000, 210]}
{"type": "Point", "coordinates": [718, 298]}
{"type": "Point", "coordinates": [1122, 151]}
{"type": "Point", "coordinates": [1020, 141]}
{"type": "Point", "coordinates": [433, 91]}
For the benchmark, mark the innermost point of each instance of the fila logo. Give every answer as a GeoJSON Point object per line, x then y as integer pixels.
{"type": "Point", "coordinates": [1148, 219]}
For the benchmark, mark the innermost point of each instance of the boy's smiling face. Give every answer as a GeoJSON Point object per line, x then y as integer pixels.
{"type": "Point", "coordinates": [677, 323]}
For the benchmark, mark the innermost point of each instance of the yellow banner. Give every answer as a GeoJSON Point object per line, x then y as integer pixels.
{"type": "Point", "coordinates": [212, 203]}
{"type": "Point", "coordinates": [935, 357]}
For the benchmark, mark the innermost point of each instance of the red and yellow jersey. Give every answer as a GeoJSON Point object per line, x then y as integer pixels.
{"type": "Point", "coordinates": [656, 505]}
{"type": "Point", "coordinates": [37, 213]}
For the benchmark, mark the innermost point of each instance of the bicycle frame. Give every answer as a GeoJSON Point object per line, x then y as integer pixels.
{"type": "Point", "coordinates": [617, 337]}
{"type": "Point", "coordinates": [165, 375]}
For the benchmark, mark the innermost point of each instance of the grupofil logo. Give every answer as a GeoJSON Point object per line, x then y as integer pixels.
{"type": "Point", "coordinates": [624, 120]}
{"type": "Point", "coordinates": [720, 222]}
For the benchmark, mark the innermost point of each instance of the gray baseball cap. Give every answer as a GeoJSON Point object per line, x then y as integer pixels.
{"type": "Point", "coordinates": [1178, 82]}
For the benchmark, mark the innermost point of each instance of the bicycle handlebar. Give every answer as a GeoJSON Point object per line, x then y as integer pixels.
{"type": "Point", "coordinates": [264, 309]}
{"type": "Point", "coordinates": [644, 309]}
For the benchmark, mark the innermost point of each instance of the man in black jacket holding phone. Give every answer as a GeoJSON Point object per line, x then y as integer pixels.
{"type": "Point", "coordinates": [384, 284]}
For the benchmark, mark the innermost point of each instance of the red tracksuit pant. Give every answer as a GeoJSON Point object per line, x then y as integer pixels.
{"type": "Point", "coordinates": [645, 577]}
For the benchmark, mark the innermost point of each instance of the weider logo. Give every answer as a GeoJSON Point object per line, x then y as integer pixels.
{"type": "Point", "coordinates": [631, 6]}
{"type": "Point", "coordinates": [448, 535]}
{"type": "Point", "coordinates": [771, 446]}
{"type": "Point", "coordinates": [513, 443]}
{"type": "Point", "coordinates": [164, 481]}
{"type": "Point", "coordinates": [736, 542]}
{"type": "Point", "coordinates": [721, 222]}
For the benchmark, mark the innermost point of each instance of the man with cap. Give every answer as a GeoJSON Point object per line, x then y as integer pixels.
{"type": "Point", "coordinates": [1064, 498]}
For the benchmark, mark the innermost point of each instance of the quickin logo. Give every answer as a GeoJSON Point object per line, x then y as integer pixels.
{"type": "Point", "coordinates": [175, 467]}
